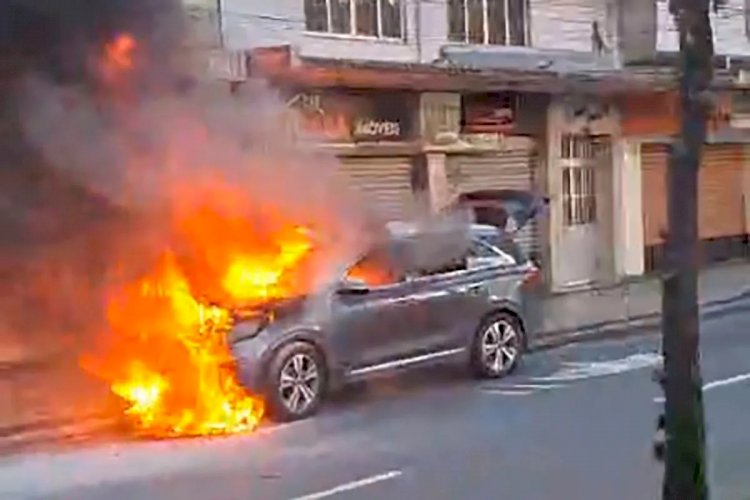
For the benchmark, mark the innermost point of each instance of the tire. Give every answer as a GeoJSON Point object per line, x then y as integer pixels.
{"type": "Point", "coordinates": [296, 382]}
{"type": "Point", "coordinates": [498, 346]}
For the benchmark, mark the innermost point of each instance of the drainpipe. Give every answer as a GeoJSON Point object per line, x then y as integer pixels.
{"type": "Point", "coordinates": [418, 29]}
{"type": "Point", "coordinates": [220, 22]}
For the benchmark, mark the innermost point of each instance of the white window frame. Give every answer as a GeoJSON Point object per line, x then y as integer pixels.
{"type": "Point", "coordinates": [486, 24]}
{"type": "Point", "coordinates": [353, 23]}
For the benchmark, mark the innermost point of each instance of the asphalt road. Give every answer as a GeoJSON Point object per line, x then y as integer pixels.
{"type": "Point", "coordinates": [573, 423]}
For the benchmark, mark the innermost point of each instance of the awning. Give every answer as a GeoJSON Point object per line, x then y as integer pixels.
{"type": "Point", "coordinates": [277, 64]}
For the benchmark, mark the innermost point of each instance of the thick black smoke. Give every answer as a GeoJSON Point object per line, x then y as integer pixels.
{"type": "Point", "coordinates": [60, 37]}
{"type": "Point", "coordinates": [92, 168]}
{"type": "Point", "coordinates": [47, 215]}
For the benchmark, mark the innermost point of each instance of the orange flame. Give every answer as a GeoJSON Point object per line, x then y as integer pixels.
{"type": "Point", "coordinates": [119, 56]}
{"type": "Point", "coordinates": [170, 360]}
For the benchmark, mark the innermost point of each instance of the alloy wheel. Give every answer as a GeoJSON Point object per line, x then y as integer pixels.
{"type": "Point", "coordinates": [500, 346]}
{"type": "Point", "coordinates": [299, 383]}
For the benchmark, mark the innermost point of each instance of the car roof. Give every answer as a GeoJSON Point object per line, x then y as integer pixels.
{"type": "Point", "coordinates": [401, 229]}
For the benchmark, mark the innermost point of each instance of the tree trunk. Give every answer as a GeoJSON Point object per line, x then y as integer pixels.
{"type": "Point", "coordinates": [685, 469]}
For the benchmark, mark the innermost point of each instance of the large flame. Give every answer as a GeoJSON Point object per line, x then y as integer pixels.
{"type": "Point", "coordinates": [218, 251]}
{"type": "Point", "coordinates": [170, 360]}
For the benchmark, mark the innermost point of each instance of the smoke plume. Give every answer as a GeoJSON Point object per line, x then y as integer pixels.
{"type": "Point", "coordinates": [109, 139]}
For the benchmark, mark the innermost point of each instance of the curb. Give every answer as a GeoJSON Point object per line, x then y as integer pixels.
{"type": "Point", "coordinates": [55, 431]}
{"type": "Point", "coordinates": [642, 324]}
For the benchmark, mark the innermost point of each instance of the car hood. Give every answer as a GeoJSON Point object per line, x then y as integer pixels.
{"type": "Point", "coordinates": [276, 307]}
{"type": "Point", "coordinates": [497, 207]}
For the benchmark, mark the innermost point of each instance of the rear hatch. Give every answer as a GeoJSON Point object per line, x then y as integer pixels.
{"type": "Point", "coordinates": [509, 210]}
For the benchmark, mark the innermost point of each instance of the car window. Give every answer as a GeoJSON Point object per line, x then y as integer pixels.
{"type": "Point", "coordinates": [376, 268]}
{"type": "Point", "coordinates": [503, 244]}
{"type": "Point", "coordinates": [481, 250]}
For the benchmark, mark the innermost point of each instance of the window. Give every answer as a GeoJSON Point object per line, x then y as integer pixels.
{"type": "Point", "coordinates": [579, 195]}
{"type": "Point", "coordinates": [503, 245]}
{"type": "Point", "coordinates": [579, 178]}
{"type": "Point", "coordinates": [493, 22]}
{"type": "Point", "coordinates": [371, 18]}
{"type": "Point", "coordinates": [375, 269]}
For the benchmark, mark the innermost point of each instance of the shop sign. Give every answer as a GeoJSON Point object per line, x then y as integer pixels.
{"type": "Point", "coordinates": [349, 117]}
{"type": "Point", "coordinates": [367, 128]}
{"type": "Point", "coordinates": [489, 113]}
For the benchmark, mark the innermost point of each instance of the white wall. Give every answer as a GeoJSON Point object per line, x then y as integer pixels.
{"type": "Point", "coordinates": [555, 24]}
{"type": "Point", "coordinates": [566, 24]}
{"type": "Point", "coordinates": [561, 254]}
{"type": "Point", "coordinates": [258, 23]}
{"type": "Point", "coordinates": [628, 209]}
{"type": "Point", "coordinates": [728, 26]}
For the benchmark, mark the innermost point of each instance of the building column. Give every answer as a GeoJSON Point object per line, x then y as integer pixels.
{"type": "Point", "coordinates": [628, 205]}
{"type": "Point", "coordinates": [746, 186]}
{"type": "Point", "coordinates": [437, 176]}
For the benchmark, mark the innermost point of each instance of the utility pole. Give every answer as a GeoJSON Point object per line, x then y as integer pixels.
{"type": "Point", "coordinates": [685, 464]}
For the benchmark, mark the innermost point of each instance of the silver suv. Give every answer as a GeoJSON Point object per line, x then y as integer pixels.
{"type": "Point", "coordinates": [388, 313]}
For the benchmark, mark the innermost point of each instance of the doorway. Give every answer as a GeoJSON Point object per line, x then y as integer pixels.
{"type": "Point", "coordinates": [585, 167]}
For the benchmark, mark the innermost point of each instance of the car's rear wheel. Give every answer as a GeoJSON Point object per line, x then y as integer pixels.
{"type": "Point", "coordinates": [498, 346]}
{"type": "Point", "coordinates": [297, 378]}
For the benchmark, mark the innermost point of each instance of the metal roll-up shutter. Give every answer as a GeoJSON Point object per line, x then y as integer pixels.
{"type": "Point", "coordinates": [721, 211]}
{"type": "Point", "coordinates": [512, 169]}
{"type": "Point", "coordinates": [654, 179]}
{"type": "Point", "coordinates": [385, 183]}
{"type": "Point", "coordinates": [721, 223]}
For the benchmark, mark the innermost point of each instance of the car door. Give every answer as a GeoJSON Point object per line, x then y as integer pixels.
{"type": "Point", "coordinates": [441, 304]}
{"type": "Point", "coordinates": [372, 311]}
{"type": "Point", "coordinates": [455, 299]}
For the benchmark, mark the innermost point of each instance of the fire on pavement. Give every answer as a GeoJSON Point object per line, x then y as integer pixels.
{"type": "Point", "coordinates": [166, 351]}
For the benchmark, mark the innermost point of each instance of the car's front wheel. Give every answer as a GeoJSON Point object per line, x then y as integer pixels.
{"type": "Point", "coordinates": [296, 382]}
{"type": "Point", "coordinates": [498, 346]}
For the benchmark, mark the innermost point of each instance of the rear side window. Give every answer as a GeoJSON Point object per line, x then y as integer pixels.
{"type": "Point", "coordinates": [482, 250]}
{"type": "Point", "coordinates": [503, 244]}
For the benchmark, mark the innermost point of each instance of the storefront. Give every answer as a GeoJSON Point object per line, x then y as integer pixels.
{"type": "Point", "coordinates": [372, 136]}
{"type": "Point", "coordinates": [721, 203]}
{"type": "Point", "coordinates": [722, 181]}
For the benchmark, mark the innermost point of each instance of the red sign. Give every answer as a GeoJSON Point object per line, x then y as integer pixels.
{"type": "Point", "coordinates": [489, 113]}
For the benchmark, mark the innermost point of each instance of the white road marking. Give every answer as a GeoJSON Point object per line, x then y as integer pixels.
{"type": "Point", "coordinates": [727, 381]}
{"type": "Point", "coordinates": [573, 371]}
{"type": "Point", "coordinates": [506, 392]}
{"type": "Point", "coordinates": [352, 486]}
{"type": "Point", "coordinates": [715, 384]}
{"type": "Point", "coordinates": [528, 386]}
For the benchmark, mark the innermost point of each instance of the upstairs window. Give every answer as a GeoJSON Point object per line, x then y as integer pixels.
{"type": "Point", "coordinates": [490, 22]}
{"type": "Point", "coordinates": [371, 18]}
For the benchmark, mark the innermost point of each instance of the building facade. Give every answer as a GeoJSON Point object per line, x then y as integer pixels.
{"type": "Point", "coordinates": [422, 101]}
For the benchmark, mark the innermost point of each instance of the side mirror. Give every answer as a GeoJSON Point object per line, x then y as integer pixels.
{"type": "Point", "coordinates": [351, 287]}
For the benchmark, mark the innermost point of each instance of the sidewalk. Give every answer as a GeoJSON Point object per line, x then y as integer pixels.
{"type": "Point", "coordinates": [634, 306]}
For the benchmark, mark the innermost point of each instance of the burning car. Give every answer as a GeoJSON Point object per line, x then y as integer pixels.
{"type": "Point", "coordinates": [414, 298]}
